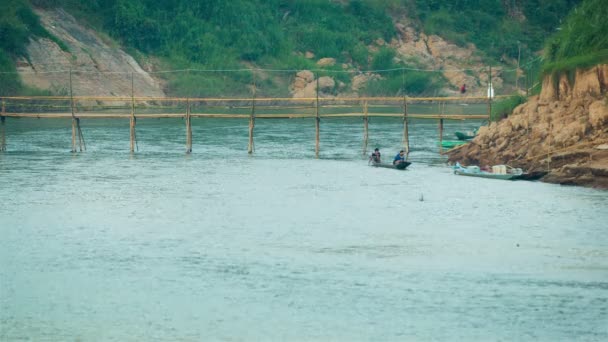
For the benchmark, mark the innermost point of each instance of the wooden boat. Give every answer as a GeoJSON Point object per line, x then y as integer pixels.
{"type": "Point", "coordinates": [452, 143]}
{"type": "Point", "coordinates": [498, 172]}
{"type": "Point", "coordinates": [531, 176]}
{"type": "Point", "coordinates": [400, 166]}
{"type": "Point", "coordinates": [465, 135]}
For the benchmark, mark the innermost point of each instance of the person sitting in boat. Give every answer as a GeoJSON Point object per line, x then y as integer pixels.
{"type": "Point", "coordinates": [375, 157]}
{"type": "Point", "coordinates": [399, 158]}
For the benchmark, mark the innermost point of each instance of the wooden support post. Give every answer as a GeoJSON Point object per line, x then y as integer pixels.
{"type": "Point", "coordinates": [132, 121]}
{"type": "Point", "coordinates": [188, 128]}
{"type": "Point", "coordinates": [365, 128]}
{"type": "Point", "coordinates": [250, 146]}
{"type": "Point", "coordinates": [2, 128]}
{"type": "Point", "coordinates": [406, 133]}
{"type": "Point", "coordinates": [74, 129]}
{"type": "Point", "coordinates": [317, 123]}
{"type": "Point", "coordinates": [81, 143]}
{"type": "Point", "coordinates": [440, 135]}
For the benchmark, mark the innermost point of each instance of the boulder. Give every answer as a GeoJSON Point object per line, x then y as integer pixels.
{"type": "Point", "coordinates": [306, 75]}
{"type": "Point", "coordinates": [548, 92]}
{"type": "Point", "coordinates": [326, 83]}
{"type": "Point", "coordinates": [324, 62]}
{"type": "Point", "coordinates": [598, 114]}
{"type": "Point", "coordinates": [360, 81]}
{"type": "Point", "coordinates": [587, 83]}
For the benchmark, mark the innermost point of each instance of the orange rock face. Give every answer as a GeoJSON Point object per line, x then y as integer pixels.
{"type": "Point", "coordinates": [559, 131]}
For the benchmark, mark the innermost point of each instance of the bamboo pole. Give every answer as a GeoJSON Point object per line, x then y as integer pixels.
{"type": "Point", "coordinates": [440, 135]}
{"type": "Point", "coordinates": [365, 128]}
{"type": "Point", "coordinates": [73, 117]}
{"type": "Point", "coordinates": [188, 129]}
{"type": "Point", "coordinates": [250, 146]}
{"type": "Point", "coordinates": [81, 143]}
{"type": "Point", "coordinates": [2, 128]}
{"type": "Point", "coordinates": [132, 120]}
{"type": "Point", "coordinates": [406, 133]}
{"type": "Point", "coordinates": [317, 122]}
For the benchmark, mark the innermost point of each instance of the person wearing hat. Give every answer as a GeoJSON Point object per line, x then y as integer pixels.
{"type": "Point", "coordinates": [375, 157]}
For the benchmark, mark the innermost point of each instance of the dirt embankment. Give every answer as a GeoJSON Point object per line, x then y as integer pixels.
{"type": "Point", "coordinates": [564, 131]}
{"type": "Point", "coordinates": [99, 68]}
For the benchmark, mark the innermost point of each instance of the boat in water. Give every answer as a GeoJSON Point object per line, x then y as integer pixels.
{"type": "Point", "coordinates": [465, 135]}
{"type": "Point", "coordinates": [497, 172]}
{"type": "Point", "coordinates": [400, 166]}
{"type": "Point", "coordinates": [452, 143]}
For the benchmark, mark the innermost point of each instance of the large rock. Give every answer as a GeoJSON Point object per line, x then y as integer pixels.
{"type": "Point", "coordinates": [307, 75]}
{"type": "Point", "coordinates": [360, 81]}
{"type": "Point", "coordinates": [324, 62]}
{"type": "Point", "coordinates": [598, 114]}
{"type": "Point", "coordinates": [326, 83]}
{"type": "Point", "coordinates": [98, 68]}
{"type": "Point", "coordinates": [309, 88]}
{"type": "Point", "coordinates": [587, 83]}
{"type": "Point", "coordinates": [549, 92]}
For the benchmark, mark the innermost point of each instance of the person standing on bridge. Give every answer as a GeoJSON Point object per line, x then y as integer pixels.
{"type": "Point", "coordinates": [463, 89]}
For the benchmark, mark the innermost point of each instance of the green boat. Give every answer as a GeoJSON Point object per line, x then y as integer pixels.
{"type": "Point", "coordinates": [400, 166]}
{"type": "Point", "coordinates": [465, 135]}
{"type": "Point", "coordinates": [452, 143]}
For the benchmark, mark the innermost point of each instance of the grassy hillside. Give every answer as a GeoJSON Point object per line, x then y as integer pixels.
{"type": "Point", "coordinates": [18, 23]}
{"type": "Point", "coordinates": [582, 40]}
{"type": "Point", "coordinates": [219, 34]}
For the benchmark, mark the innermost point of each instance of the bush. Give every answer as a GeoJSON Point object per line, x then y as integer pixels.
{"type": "Point", "coordinates": [504, 107]}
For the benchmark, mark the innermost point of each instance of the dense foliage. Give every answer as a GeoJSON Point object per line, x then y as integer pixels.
{"type": "Point", "coordinates": [582, 40]}
{"type": "Point", "coordinates": [220, 34]}
{"type": "Point", "coordinates": [18, 23]}
{"type": "Point", "coordinates": [497, 27]}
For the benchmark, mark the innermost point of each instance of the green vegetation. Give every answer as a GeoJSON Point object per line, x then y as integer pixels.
{"type": "Point", "coordinates": [582, 40]}
{"type": "Point", "coordinates": [276, 34]}
{"type": "Point", "coordinates": [18, 23]}
{"type": "Point", "coordinates": [497, 27]}
{"type": "Point", "coordinates": [504, 107]}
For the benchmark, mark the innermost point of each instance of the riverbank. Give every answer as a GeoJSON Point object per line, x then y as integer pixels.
{"type": "Point", "coordinates": [564, 131]}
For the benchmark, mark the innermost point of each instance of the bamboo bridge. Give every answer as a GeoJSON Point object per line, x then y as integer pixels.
{"type": "Point", "coordinates": [132, 108]}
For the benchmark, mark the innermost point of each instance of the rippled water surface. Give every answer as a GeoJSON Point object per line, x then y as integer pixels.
{"type": "Point", "coordinates": [219, 245]}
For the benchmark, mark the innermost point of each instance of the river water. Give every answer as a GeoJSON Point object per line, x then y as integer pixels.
{"type": "Point", "coordinates": [219, 245]}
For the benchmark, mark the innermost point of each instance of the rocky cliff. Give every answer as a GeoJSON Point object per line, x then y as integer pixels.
{"type": "Point", "coordinates": [564, 131]}
{"type": "Point", "coordinates": [458, 65]}
{"type": "Point", "coordinates": [100, 68]}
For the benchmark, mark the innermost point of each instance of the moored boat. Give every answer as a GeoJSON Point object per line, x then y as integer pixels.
{"type": "Point", "coordinates": [498, 172]}
{"type": "Point", "coordinates": [452, 143]}
{"type": "Point", "coordinates": [465, 135]}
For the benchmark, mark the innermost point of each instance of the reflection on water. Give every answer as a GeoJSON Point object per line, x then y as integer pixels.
{"type": "Point", "coordinates": [219, 245]}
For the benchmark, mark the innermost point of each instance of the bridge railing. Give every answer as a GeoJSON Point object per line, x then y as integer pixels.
{"type": "Point", "coordinates": [133, 108]}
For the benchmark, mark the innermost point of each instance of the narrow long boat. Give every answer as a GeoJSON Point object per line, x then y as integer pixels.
{"type": "Point", "coordinates": [465, 135]}
{"type": "Point", "coordinates": [452, 143]}
{"type": "Point", "coordinates": [475, 171]}
{"type": "Point", "coordinates": [400, 166]}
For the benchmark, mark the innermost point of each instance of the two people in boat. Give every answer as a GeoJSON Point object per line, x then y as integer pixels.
{"type": "Point", "coordinates": [375, 157]}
